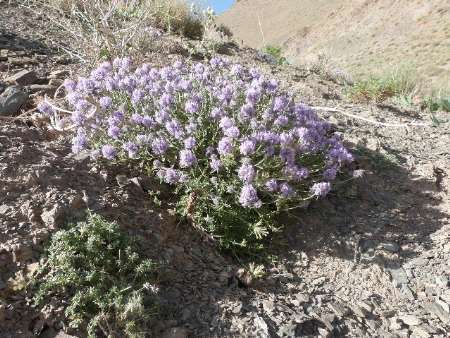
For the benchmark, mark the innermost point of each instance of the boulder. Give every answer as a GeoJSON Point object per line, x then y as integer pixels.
{"type": "Point", "coordinates": [11, 100]}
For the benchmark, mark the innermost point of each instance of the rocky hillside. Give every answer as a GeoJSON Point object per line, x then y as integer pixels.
{"type": "Point", "coordinates": [359, 35]}
{"type": "Point", "coordinates": [371, 260]}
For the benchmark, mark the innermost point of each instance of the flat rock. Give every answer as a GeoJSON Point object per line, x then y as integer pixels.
{"type": "Point", "coordinates": [11, 100]}
{"type": "Point", "coordinates": [436, 309]}
{"type": "Point", "coordinates": [398, 276]}
{"type": "Point", "coordinates": [23, 78]}
{"type": "Point", "coordinates": [390, 246]}
{"type": "Point", "coordinates": [58, 74]}
{"type": "Point", "coordinates": [47, 89]}
{"type": "Point", "coordinates": [410, 320]}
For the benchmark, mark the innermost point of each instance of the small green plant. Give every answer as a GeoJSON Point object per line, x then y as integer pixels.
{"type": "Point", "coordinates": [276, 53]}
{"type": "Point", "coordinates": [94, 268]}
{"type": "Point", "coordinates": [401, 82]}
{"type": "Point", "coordinates": [437, 102]}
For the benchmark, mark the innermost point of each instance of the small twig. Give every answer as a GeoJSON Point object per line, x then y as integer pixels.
{"type": "Point", "coordinates": [393, 125]}
{"type": "Point", "coordinates": [261, 30]}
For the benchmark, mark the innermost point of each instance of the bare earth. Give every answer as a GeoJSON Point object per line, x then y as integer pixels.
{"type": "Point", "coordinates": [372, 260]}
{"type": "Point", "coordinates": [361, 36]}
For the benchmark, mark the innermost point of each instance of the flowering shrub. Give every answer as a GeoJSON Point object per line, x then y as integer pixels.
{"type": "Point", "coordinates": [237, 149]}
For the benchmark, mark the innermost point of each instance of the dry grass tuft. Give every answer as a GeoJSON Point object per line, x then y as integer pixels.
{"type": "Point", "coordinates": [109, 28]}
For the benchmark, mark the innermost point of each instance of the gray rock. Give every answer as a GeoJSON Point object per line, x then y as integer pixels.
{"type": "Point", "coordinates": [58, 74]}
{"type": "Point", "coordinates": [410, 320]}
{"type": "Point", "coordinates": [43, 88]}
{"type": "Point", "coordinates": [54, 218]}
{"type": "Point", "coordinates": [11, 100]}
{"type": "Point", "coordinates": [436, 309]}
{"type": "Point", "coordinates": [444, 305]}
{"type": "Point", "coordinates": [23, 78]}
{"type": "Point", "coordinates": [422, 331]}
{"type": "Point", "coordinates": [406, 291]}
{"type": "Point", "coordinates": [339, 309]}
{"type": "Point", "coordinates": [390, 246]}
{"type": "Point", "coordinates": [360, 311]}
{"type": "Point", "coordinates": [398, 276]}
{"type": "Point", "coordinates": [442, 281]}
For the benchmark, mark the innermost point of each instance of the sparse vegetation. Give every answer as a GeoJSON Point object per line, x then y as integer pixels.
{"type": "Point", "coordinates": [437, 101]}
{"type": "Point", "coordinates": [277, 53]}
{"type": "Point", "coordinates": [95, 270]}
{"type": "Point", "coordinates": [105, 29]}
{"type": "Point", "coordinates": [401, 82]}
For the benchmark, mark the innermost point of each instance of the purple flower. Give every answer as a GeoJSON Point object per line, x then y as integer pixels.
{"type": "Point", "coordinates": [187, 158]}
{"type": "Point", "coordinates": [114, 132]}
{"type": "Point", "coordinates": [330, 173]}
{"type": "Point", "coordinates": [190, 142]}
{"type": "Point", "coordinates": [136, 118]}
{"type": "Point", "coordinates": [281, 121]}
{"type": "Point", "coordinates": [272, 85]}
{"type": "Point", "coordinates": [192, 106]}
{"type": "Point", "coordinates": [225, 146]}
{"type": "Point", "coordinates": [215, 163]}
{"type": "Point", "coordinates": [280, 103]}
{"type": "Point", "coordinates": [166, 100]}
{"type": "Point", "coordinates": [131, 148]}
{"type": "Point", "coordinates": [286, 190]}
{"type": "Point", "coordinates": [287, 155]}
{"type": "Point", "coordinates": [171, 176]}
{"type": "Point", "coordinates": [137, 96]}
{"type": "Point", "coordinates": [271, 185]}
{"type": "Point", "coordinates": [159, 146]}
{"type": "Point", "coordinates": [248, 197]}
{"type": "Point", "coordinates": [232, 132]}
{"type": "Point", "coordinates": [109, 152]}
{"type": "Point", "coordinates": [321, 189]}
{"type": "Point", "coordinates": [246, 173]}
{"type": "Point", "coordinates": [79, 142]}
{"type": "Point", "coordinates": [295, 172]}
{"type": "Point", "coordinates": [216, 113]}
{"type": "Point", "coordinates": [105, 102]}
{"type": "Point", "coordinates": [174, 128]}
{"type": "Point", "coordinates": [148, 121]}
{"type": "Point", "coordinates": [70, 85]}
{"type": "Point", "coordinates": [78, 118]}
{"type": "Point", "coordinates": [246, 112]}
{"type": "Point", "coordinates": [226, 122]}
{"type": "Point", "coordinates": [45, 108]}
{"type": "Point", "coordinates": [247, 147]}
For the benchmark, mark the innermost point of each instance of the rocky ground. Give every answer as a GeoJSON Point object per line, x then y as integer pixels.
{"type": "Point", "coordinates": [373, 260]}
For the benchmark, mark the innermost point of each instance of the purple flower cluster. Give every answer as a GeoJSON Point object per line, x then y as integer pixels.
{"type": "Point", "coordinates": [214, 119]}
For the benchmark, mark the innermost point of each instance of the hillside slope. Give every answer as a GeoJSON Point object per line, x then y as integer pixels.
{"type": "Point", "coordinates": [359, 35]}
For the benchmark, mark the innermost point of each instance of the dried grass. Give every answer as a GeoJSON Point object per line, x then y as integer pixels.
{"type": "Point", "coordinates": [108, 28]}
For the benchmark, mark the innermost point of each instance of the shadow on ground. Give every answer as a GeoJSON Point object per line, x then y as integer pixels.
{"type": "Point", "coordinates": [387, 205]}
